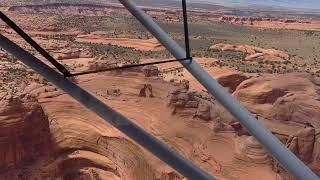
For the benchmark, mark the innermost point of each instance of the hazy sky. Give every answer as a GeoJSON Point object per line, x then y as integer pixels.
{"type": "Point", "coordinates": [314, 4]}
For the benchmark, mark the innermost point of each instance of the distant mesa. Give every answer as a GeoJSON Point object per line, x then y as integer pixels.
{"type": "Point", "coordinates": [255, 54]}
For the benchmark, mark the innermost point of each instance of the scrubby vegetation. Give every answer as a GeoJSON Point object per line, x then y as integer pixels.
{"type": "Point", "coordinates": [125, 26]}
{"type": "Point", "coordinates": [62, 37]}
{"type": "Point", "coordinates": [10, 59]}
{"type": "Point", "coordinates": [123, 54]}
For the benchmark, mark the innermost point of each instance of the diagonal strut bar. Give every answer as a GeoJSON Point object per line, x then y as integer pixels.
{"type": "Point", "coordinates": [286, 158]}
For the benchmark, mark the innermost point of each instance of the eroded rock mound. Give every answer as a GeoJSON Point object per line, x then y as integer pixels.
{"type": "Point", "coordinates": [184, 84]}
{"type": "Point", "coordinates": [150, 71]}
{"type": "Point", "coordinates": [289, 97]}
{"type": "Point", "coordinates": [114, 92]}
{"type": "Point", "coordinates": [101, 64]}
{"type": "Point", "coordinates": [232, 80]}
{"type": "Point", "coordinates": [315, 165]}
{"type": "Point", "coordinates": [24, 131]}
{"type": "Point", "coordinates": [170, 176]}
{"type": "Point", "coordinates": [204, 110]}
{"type": "Point", "coordinates": [197, 104]}
{"type": "Point", "coordinates": [287, 103]}
{"type": "Point", "coordinates": [72, 54]}
{"type": "Point", "coordinates": [239, 129]}
{"type": "Point", "coordinates": [147, 89]}
{"type": "Point", "coordinates": [302, 143]}
{"type": "Point", "coordinates": [255, 53]}
{"type": "Point", "coordinates": [42, 91]}
{"type": "Point", "coordinates": [249, 149]}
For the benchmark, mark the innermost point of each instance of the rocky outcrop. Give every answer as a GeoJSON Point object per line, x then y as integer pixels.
{"type": "Point", "coordinates": [150, 71]}
{"type": "Point", "coordinates": [232, 80]}
{"type": "Point", "coordinates": [255, 53]}
{"type": "Point", "coordinates": [62, 140]}
{"type": "Point", "coordinates": [184, 84]}
{"type": "Point", "coordinates": [114, 92]}
{"type": "Point", "coordinates": [306, 140]}
{"type": "Point", "coordinates": [194, 103]}
{"type": "Point", "coordinates": [170, 176]}
{"type": "Point", "coordinates": [249, 149]}
{"type": "Point", "coordinates": [72, 54]}
{"type": "Point", "coordinates": [147, 89]}
{"type": "Point", "coordinates": [68, 54]}
{"type": "Point", "coordinates": [42, 91]}
{"type": "Point", "coordinates": [286, 103]}
{"type": "Point", "coordinates": [204, 110]}
{"type": "Point", "coordinates": [264, 58]}
{"type": "Point", "coordinates": [302, 143]}
{"type": "Point", "coordinates": [101, 64]}
{"type": "Point", "coordinates": [290, 97]}
{"type": "Point", "coordinates": [315, 165]}
{"type": "Point", "coordinates": [24, 131]}
{"type": "Point", "coordinates": [239, 129]}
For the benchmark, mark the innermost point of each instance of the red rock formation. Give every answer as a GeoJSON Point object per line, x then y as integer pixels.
{"type": "Point", "coordinates": [114, 92]}
{"type": "Point", "coordinates": [302, 144]}
{"type": "Point", "coordinates": [171, 176]}
{"type": "Point", "coordinates": [150, 71]}
{"type": "Point", "coordinates": [249, 149]}
{"type": "Point", "coordinates": [255, 52]}
{"type": "Point", "coordinates": [315, 165]}
{"type": "Point", "coordinates": [100, 64]}
{"type": "Point", "coordinates": [232, 80]}
{"type": "Point", "coordinates": [204, 110]}
{"type": "Point", "coordinates": [193, 103]}
{"type": "Point", "coordinates": [68, 54]}
{"type": "Point", "coordinates": [24, 131]}
{"type": "Point", "coordinates": [239, 129]}
{"type": "Point", "coordinates": [289, 97]}
{"type": "Point", "coordinates": [144, 91]}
